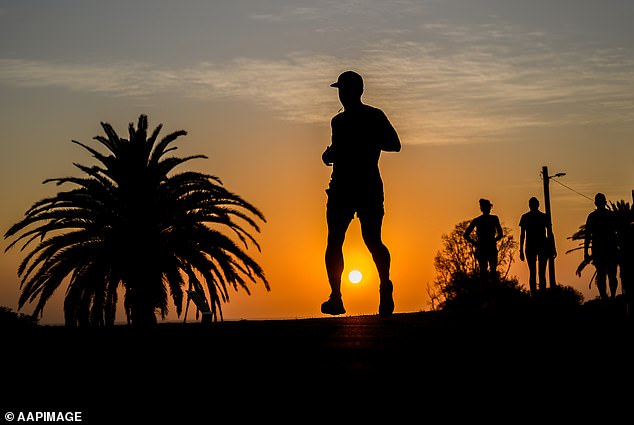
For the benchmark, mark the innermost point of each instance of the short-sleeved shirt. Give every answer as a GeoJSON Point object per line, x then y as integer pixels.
{"type": "Point", "coordinates": [535, 225]}
{"type": "Point", "coordinates": [487, 228]}
{"type": "Point", "coordinates": [601, 230]}
{"type": "Point", "coordinates": [358, 137]}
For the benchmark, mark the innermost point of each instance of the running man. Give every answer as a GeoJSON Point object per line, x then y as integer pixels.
{"type": "Point", "coordinates": [359, 133]}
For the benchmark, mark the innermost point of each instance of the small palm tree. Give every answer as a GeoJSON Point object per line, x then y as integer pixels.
{"type": "Point", "coordinates": [131, 222]}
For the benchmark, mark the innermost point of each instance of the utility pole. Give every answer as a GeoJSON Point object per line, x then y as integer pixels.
{"type": "Point", "coordinates": [551, 236]}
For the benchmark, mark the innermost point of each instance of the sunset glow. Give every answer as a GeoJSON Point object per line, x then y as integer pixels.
{"type": "Point", "coordinates": [482, 94]}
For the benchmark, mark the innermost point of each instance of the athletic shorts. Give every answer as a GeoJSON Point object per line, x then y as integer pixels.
{"type": "Point", "coordinates": [343, 206]}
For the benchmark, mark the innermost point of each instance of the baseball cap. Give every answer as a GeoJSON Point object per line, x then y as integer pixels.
{"type": "Point", "coordinates": [349, 80]}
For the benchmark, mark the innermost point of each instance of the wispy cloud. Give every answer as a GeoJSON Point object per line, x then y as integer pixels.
{"type": "Point", "coordinates": [288, 13]}
{"type": "Point", "coordinates": [463, 84]}
{"type": "Point", "coordinates": [119, 79]}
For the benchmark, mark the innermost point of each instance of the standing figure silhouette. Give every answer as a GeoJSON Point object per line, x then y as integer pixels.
{"type": "Point", "coordinates": [601, 240]}
{"type": "Point", "coordinates": [488, 232]}
{"type": "Point", "coordinates": [535, 247]}
{"type": "Point", "coordinates": [359, 133]}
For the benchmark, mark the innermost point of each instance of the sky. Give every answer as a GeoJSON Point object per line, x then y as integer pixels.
{"type": "Point", "coordinates": [483, 94]}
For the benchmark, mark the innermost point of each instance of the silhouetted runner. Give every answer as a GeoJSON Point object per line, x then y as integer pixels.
{"type": "Point", "coordinates": [534, 244]}
{"type": "Point", "coordinates": [359, 134]}
{"type": "Point", "coordinates": [488, 233]}
{"type": "Point", "coordinates": [601, 240]}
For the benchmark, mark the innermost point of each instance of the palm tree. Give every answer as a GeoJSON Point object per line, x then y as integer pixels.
{"type": "Point", "coordinates": [132, 222]}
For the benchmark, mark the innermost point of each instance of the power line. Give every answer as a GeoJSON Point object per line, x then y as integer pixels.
{"type": "Point", "coordinates": [571, 189]}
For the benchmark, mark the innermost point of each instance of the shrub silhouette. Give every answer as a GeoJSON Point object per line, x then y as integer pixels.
{"type": "Point", "coordinates": [12, 319]}
{"type": "Point", "coordinates": [457, 284]}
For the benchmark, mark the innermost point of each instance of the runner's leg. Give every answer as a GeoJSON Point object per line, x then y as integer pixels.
{"type": "Point", "coordinates": [337, 226]}
{"type": "Point", "coordinates": [371, 233]}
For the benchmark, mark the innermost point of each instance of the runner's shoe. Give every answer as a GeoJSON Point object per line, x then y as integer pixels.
{"type": "Point", "coordinates": [333, 306]}
{"type": "Point", "coordinates": [386, 304]}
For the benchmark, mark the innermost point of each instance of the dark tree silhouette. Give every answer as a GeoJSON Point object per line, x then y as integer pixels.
{"type": "Point", "coordinates": [457, 283]}
{"type": "Point", "coordinates": [457, 274]}
{"type": "Point", "coordinates": [132, 222]}
{"type": "Point", "coordinates": [10, 319]}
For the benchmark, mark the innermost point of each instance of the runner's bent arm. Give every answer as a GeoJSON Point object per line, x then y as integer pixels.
{"type": "Point", "coordinates": [390, 141]}
{"type": "Point", "coordinates": [328, 157]}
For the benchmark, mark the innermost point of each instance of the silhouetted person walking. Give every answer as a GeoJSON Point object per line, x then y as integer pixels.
{"type": "Point", "coordinates": [535, 247]}
{"type": "Point", "coordinates": [359, 134]}
{"type": "Point", "coordinates": [488, 232]}
{"type": "Point", "coordinates": [601, 239]}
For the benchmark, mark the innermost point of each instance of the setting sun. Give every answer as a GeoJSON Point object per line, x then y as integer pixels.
{"type": "Point", "coordinates": [355, 276]}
